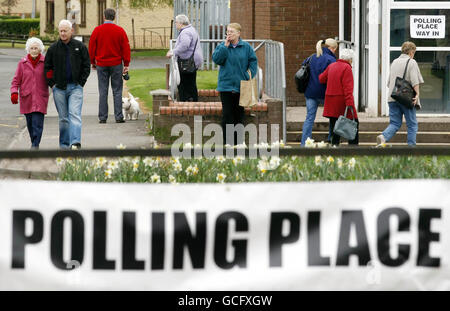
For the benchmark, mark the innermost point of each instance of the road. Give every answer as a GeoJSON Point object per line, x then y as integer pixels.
{"type": "Point", "coordinates": [11, 121]}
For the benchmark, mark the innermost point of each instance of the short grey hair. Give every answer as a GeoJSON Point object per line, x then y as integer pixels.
{"type": "Point", "coordinates": [32, 41]}
{"type": "Point", "coordinates": [182, 19]}
{"type": "Point", "coordinates": [347, 54]}
{"type": "Point", "coordinates": [65, 22]}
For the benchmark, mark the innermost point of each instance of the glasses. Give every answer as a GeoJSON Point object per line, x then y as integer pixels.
{"type": "Point", "coordinates": [231, 32]}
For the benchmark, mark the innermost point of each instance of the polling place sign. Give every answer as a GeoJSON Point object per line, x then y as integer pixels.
{"type": "Point", "coordinates": [427, 26]}
{"type": "Point", "coordinates": [362, 235]}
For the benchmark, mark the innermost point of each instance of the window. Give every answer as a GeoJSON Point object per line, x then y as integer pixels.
{"type": "Point", "coordinates": [101, 9]}
{"type": "Point", "coordinates": [50, 16]}
{"type": "Point", "coordinates": [79, 15]}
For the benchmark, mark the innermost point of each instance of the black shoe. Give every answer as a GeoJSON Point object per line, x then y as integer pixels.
{"type": "Point", "coordinates": [75, 146]}
{"type": "Point", "coordinates": [102, 121]}
{"type": "Point", "coordinates": [120, 121]}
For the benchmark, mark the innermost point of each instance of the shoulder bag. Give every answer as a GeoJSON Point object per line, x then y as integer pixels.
{"type": "Point", "coordinates": [302, 76]}
{"type": "Point", "coordinates": [188, 65]}
{"type": "Point", "coordinates": [403, 91]}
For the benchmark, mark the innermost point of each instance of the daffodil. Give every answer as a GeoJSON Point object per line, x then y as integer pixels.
{"type": "Point", "coordinates": [351, 163]}
{"type": "Point", "coordinates": [309, 143]}
{"type": "Point", "coordinates": [330, 159]}
{"type": "Point", "coordinates": [288, 168]}
{"type": "Point", "coordinates": [172, 179]}
{"type": "Point", "coordinates": [340, 163]}
{"type": "Point", "coordinates": [263, 166]}
{"type": "Point", "coordinates": [148, 161]}
{"type": "Point", "coordinates": [322, 144]}
{"type": "Point", "coordinates": [135, 166]}
{"type": "Point", "coordinates": [318, 160]}
{"type": "Point", "coordinates": [221, 177]}
{"type": "Point", "coordinates": [177, 167]}
{"type": "Point", "coordinates": [238, 160]}
{"type": "Point", "coordinates": [59, 161]}
{"type": "Point", "coordinates": [155, 179]}
{"type": "Point", "coordinates": [112, 165]}
{"type": "Point", "coordinates": [108, 173]}
{"type": "Point", "coordinates": [220, 159]}
{"type": "Point", "coordinates": [274, 162]}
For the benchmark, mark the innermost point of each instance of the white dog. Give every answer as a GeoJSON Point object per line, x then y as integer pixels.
{"type": "Point", "coordinates": [130, 107]}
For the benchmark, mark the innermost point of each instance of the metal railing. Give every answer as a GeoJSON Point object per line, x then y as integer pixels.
{"type": "Point", "coordinates": [274, 84]}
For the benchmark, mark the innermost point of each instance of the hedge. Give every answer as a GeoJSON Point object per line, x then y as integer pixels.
{"type": "Point", "coordinates": [9, 17]}
{"type": "Point", "coordinates": [19, 26]}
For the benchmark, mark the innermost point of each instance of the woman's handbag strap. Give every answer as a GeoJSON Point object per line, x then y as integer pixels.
{"type": "Point", "coordinates": [406, 67]}
{"type": "Point", "coordinates": [345, 113]}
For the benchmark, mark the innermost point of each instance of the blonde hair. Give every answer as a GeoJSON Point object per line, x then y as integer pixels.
{"type": "Point", "coordinates": [329, 43]}
{"type": "Point", "coordinates": [34, 40]}
{"type": "Point", "coordinates": [235, 26]}
{"type": "Point", "coordinates": [408, 47]}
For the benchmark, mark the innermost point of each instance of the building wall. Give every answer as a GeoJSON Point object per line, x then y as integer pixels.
{"type": "Point", "coordinates": [22, 7]}
{"type": "Point", "coordinates": [299, 24]}
{"type": "Point", "coordinates": [160, 17]}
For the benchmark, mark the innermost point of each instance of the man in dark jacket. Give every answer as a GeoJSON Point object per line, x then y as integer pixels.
{"type": "Point", "coordinates": [67, 67]}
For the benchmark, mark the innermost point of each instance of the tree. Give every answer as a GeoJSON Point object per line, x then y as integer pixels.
{"type": "Point", "coordinates": [9, 4]}
{"type": "Point", "coordinates": [147, 4]}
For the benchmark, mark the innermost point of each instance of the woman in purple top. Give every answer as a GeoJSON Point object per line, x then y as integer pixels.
{"type": "Point", "coordinates": [188, 40]}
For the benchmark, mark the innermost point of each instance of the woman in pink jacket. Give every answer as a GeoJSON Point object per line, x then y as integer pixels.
{"type": "Point", "coordinates": [30, 87]}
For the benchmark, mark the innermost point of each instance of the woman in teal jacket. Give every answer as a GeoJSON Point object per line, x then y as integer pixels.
{"type": "Point", "coordinates": [235, 57]}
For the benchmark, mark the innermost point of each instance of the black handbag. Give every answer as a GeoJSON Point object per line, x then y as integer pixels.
{"type": "Point", "coordinates": [346, 128]}
{"type": "Point", "coordinates": [403, 91]}
{"type": "Point", "coordinates": [188, 65]}
{"type": "Point", "coordinates": [302, 76]}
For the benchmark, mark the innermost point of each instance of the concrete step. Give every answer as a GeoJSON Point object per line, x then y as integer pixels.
{"type": "Point", "coordinates": [370, 136]}
{"type": "Point", "coordinates": [424, 126]}
{"type": "Point", "coordinates": [344, 142]}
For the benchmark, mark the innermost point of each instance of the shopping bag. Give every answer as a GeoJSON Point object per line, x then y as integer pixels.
{"type": "Point", "coordinates": [248, 97]}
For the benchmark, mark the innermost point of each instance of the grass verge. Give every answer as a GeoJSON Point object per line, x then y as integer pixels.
{"type": "Point", "coordinates": [142, 81]}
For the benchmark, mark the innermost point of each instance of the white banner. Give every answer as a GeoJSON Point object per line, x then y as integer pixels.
{"type": "Point", "coordinates": [427, 26]}
{"type": "Point", "coordinates": [364, 235]}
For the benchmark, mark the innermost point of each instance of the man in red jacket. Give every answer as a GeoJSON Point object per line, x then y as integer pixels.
{"type": "Point", "coordinates": [109, 50]}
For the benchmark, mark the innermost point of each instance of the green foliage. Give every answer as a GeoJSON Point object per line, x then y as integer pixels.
{"type": "Point", "coordinates": [2, 17]}
{"type": "Point", "coordinates": [142, 81]}
{"type": "Point", "coordinates": [19, 26]}
{"type": "Point", "coordinates": [234, 170]}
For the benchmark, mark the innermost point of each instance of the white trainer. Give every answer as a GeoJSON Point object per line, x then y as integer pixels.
{"type": "Point", "coordinates": [381, 140]}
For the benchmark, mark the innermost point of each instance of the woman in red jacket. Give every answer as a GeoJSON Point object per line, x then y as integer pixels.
{"type": "Point", "coordinates": [339, 94]}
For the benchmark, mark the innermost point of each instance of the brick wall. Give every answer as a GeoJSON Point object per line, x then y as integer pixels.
{"type": "Point", "coordinates": [167, 114]}
{"type": "Point", "coordinates": [299, 24]}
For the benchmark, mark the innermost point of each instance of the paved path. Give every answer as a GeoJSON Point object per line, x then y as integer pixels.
{"type": "Point", "coordinates": [133, 134]}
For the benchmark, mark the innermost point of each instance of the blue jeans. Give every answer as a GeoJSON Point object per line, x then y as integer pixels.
{"type": "Point", "coordinates": [35, 125]}
{"type": "Point", "coordinates": [396, 113]}
{"type": "Point", "coordinates": [311, 110]}
{"type": "Point", "coordinates": [68, 103]}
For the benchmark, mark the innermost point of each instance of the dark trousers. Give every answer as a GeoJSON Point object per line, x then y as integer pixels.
{"type": "Point", "coordinates": [335, 139]}
{"type": "Point", "coordinates": [232, 114]}
{"type": "Point", "coordinates": [35, 125]}
{"type": "Point", "coordinates": [104, 74]}
{"type": "Point", "coordinates": [187, 90]}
